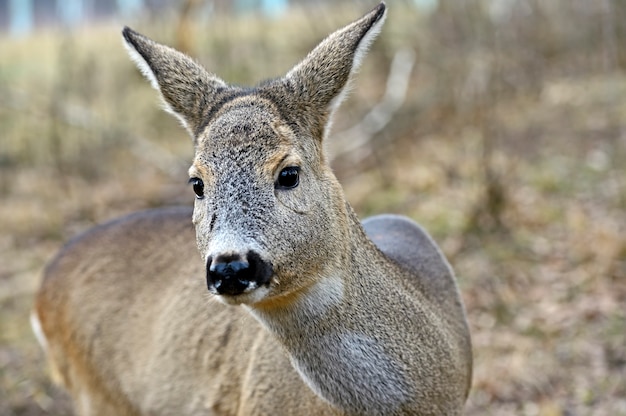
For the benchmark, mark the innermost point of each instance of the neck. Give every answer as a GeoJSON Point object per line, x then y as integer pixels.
{"type": "Point", "coordinates": [327, 330]}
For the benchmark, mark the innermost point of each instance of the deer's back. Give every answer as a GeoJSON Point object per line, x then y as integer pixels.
{"type": "Point", "coordinates": [407, 244]}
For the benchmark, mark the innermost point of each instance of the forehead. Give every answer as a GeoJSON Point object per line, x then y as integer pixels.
{"type": "Point", "coordinates": [245, 123]}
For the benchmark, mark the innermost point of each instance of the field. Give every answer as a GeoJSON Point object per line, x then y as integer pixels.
{"type": "Point", "coordinates": [507, 142]}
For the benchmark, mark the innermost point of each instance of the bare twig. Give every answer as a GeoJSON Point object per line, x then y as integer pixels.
{"type": "Point", "coordinates": [362, 133]}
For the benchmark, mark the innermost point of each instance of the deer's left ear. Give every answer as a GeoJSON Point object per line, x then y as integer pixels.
{"type": "Point", "coordinates": [323, 76]}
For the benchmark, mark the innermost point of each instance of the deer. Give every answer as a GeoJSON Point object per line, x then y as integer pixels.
{"type": "Point", "coordinates": [270, 296]}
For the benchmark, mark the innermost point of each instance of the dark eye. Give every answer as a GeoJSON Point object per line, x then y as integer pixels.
{"type": "Point", "coordinates": [288, 178]}
{"type": "Point", "coordinates": [198, 187]}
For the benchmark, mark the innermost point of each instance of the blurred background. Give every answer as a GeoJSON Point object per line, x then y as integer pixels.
{"type": "Point", "coordinates": [500, 125]}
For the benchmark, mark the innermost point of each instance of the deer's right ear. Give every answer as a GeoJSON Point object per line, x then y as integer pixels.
{"type": "Point", "coordinates": [186, 87]}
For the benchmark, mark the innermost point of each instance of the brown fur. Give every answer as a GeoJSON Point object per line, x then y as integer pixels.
{"type": "Point", "coordinates": [356, 319]}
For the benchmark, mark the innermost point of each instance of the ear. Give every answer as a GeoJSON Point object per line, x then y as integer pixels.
{"type": "Point", "coordinates": [322, 78]}
{"type": "Point", "coordinates": [187, 88]}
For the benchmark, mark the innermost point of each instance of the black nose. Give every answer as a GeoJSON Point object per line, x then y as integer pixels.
{"type": "Point", "coordinates": [232, 274]}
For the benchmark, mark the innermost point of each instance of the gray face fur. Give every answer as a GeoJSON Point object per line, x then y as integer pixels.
{"type": "Point", "coordinates": [244, 138]}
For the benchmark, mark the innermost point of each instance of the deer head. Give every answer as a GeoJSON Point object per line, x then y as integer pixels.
{"type": "Point", "coordinates": [270, 216]}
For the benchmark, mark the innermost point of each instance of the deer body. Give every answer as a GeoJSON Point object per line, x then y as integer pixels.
{"type": "Point", "coordinates": [332, 316]}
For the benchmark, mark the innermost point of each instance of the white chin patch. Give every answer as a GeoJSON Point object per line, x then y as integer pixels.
{"type": "Point", "coordinates": [250, 296]}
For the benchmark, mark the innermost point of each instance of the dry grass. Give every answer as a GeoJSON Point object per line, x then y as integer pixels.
{"type": "Point", "coordinates": [511, 150]}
